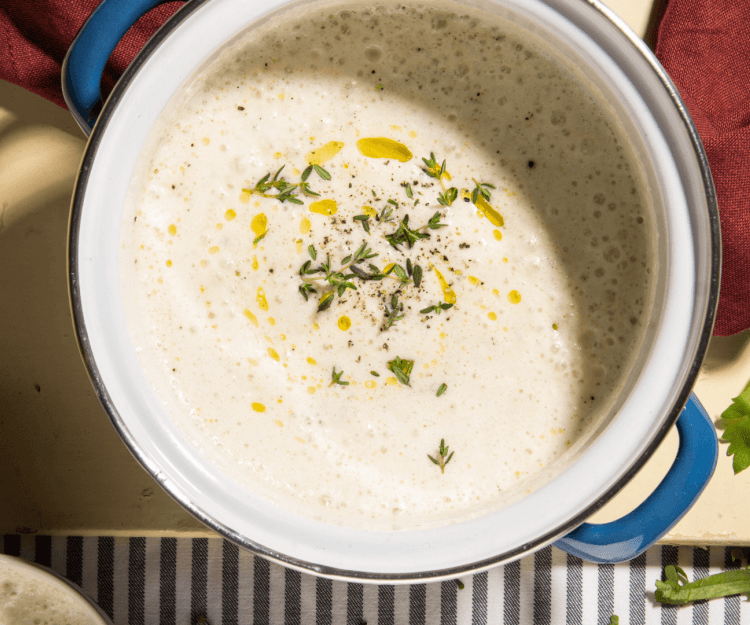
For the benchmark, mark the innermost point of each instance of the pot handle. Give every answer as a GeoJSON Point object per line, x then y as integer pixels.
{"type": "Point", "coordinates": [631, 535]}
{"type": "Point", "coordinates": [87, 56]}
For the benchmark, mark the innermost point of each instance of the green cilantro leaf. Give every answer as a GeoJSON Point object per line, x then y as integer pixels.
{"type": "Point", "coordinates": [677, 590]}
{"type": "Point", "coordinates": [736, 426]}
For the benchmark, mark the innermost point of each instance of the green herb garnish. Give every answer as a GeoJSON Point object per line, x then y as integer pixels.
{"type": "Point", "coordinates": [318, 169]}
{"type": "Point", "coordinates": [677, 590]}
{"type": "Point", "coordinates": [433, 169]}
{"type": "Point", "coordinates": [375, 373]}
{"type": "Point", "coordinates": [482, 188]}
{"type": "Point", "coordinates": [405, 234]}
{"type": "Point", "coordinates": [460, 584]}
{"type": "Point", "coordinates": [392, 315]}
{"type": "Point", "coordinates": [448, 197]}
{"type": "Point", "coordinates": [442, 389]}
{"type": "Point", "coordinates": [735, 421]}
{"type": "Point", "coordinates": [437, 308]}
{"type": "Point", "coordinates": [364, 219]}
{"type": "Point", "coordinates": [286, 190]}
{"type": "Point", "coordinates": [312, 252]}
{"type": "Point", "coordinates": [417, 275]}
{"type": "Point", "coordinates": [336, 378]}
{"type": "Point", "coordinates": [614, 620]}
{"type": "Point", "coordinates": [443, 456]}
{"type": "Point", "coordinates": [401, 369]}
{"type": "Point", "coordinates": [259, 238]}
{"type": "Point", "coordinates": [379, 87]}
{"type": "Point", "coordinates": [409, 193]}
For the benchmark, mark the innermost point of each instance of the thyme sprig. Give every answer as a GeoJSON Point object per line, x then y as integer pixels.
{"type": "Point", "coordinates": [318, 169]}
{"type": "Point", "coordinates": [437, 308]}
{"type": "Point", "coordinates": [443, 456]}
{"type": "Point", "coordinates": [392, 315]}
{"type": "Point", "coordinates": [336, 378]}
{"type": "Point", "coordinates": [405, 234]}
{"type": "Point", "coordinates": [433, 169]}
{"type": "Point", "coordinates": [339, 279]}
{"type": "Point", "coordinates": [448, 197]}
{"type": "Point", "coordinates": [401, 369]}
{"type": "Point", "coordinates": [482, 188]}
{"type": "Point", "coordinates": [286, 190]}
{"type": "Point", "coordinates": [384, 217]}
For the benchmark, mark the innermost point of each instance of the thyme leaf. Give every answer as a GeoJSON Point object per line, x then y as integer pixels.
{"type": "Point", "coordinates": [336, 378]}
{"type": "Point", "coordinates": [401, 369]}
{"type": "Point", "coordinates": [442, 389]}
{"type": "Point", "coordinates": [443, 456]}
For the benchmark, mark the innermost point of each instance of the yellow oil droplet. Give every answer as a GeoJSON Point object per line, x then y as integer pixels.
{"type": "Point", "coordinates": [258, 407]}
{"type": "Point", "coordinates": [391, 381]}
{"type": "Point", "coordinates": [272, 322]}
{"type": "Point", "coordinates": [273, 354]}
{"type": "Point", "coordinates": [219, 226]}
{"type": "Point", "coordinates": [169, 263]}
{"type": "Point", "coordinates": [443, 335]}
{"type": "Point", "coordinates": [388, 267]}
{"type": "Point", "coordinates": [323, 154]}
{"type": "Point", "coordinates": [245, 196]}
{"type": "Point", "coordinates": [253, 362]}
{"type": "Point", "coordinates": [281, 96]}
{"type": "Point", "coordinates": [498, 235]}
{"type": "Point", "coordinates": [514, 297]}
{"type": "Point", "coordinates": [489, 212]}
{"type": "Point", "coordinates": [281, 401]}
{"type": "Point", "coordinates": [380, 147]}
{"type": "Point", "coordinates": [172, 229]}
{"type": "Point", "coordinates": [311, 390]}
{"type": "Point", "coordinates": [203, 263]}
{"type": "Point", "coordinates": [278, 155]}
{"type": "Point", "coordinates": [261, 297]}
{"type": "Point", "coordinates": [344, 323]}
{"type": "Point", "coordinates": [324, 207]}
{"type": "Point", "coordinates": [448, 293]}
{"type": "Point", "coordinates": [254, 264]}
{"type": "Point", "coordinates": [505, 260]}
{"type": "Point", "coordinates": [370, 211]}
{"type": "Point", "coordinates": [554, 326]}
{"type": "Point", "coordinates": [474, 280]}
{"type": "Point", "coordinates": [312, 361]}
{"type": "Point", "coordinates": [259, 224]}
{"type": "Point", "coordinates": [279, 423]}
{"type": "Point", "coordinates": [495, 292]}
{"type": "Point", "coordinates": [316, 326]}
{"type": "Point", "coordinates": [413, 134]}
{"type": "Point", "coordinates": [213, 249]}
{"type": "Point", "coordinates": [397, 128]}
{"type": "Point", "coordinates": [492, 316]}
{"type": "Point", "coordinates": [230, 214]}
{"type": "Point", "coordinates": [297, 438]}
{"type": "Point", "coordinates": [298, 243]}
{"type": "Point", "coordinates": [206, 140]}
{"type": "Point", "coordinates": [371, 384]}
{"type": "Point", "coordinates": [304, 225]}
{"type": "Point", "coordinates": [251, 316]}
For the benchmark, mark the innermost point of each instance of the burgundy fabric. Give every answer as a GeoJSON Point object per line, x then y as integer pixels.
{"type": "Point", "coordinates": [35, 35]}
{"type": "Point", "coordinates": [703, 44]}
{"type": "Point", "coordinates": [705, 47]}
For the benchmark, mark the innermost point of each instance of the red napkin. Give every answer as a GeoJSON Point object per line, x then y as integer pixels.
{"type": "Point", "coordinates": [705, 47]}
{"type": "Point", "coordinates": [34, 37]}
{"type": "Point", "coordinates": [703, 44]}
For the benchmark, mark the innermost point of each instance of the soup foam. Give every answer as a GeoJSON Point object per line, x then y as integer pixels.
{"type": "Point", "coordinates": [550, 280]}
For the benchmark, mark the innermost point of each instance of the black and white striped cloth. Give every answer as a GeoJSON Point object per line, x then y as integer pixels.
{"type": "Point", "coordinates": [184, 581]}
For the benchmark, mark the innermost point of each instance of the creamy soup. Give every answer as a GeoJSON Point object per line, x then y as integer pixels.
{"type": "Point", "coordinates": [457, 250]}
{"type": "Point", "coordinates": [28, 598]}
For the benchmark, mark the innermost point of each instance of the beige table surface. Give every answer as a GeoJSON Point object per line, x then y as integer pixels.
{"type": "Point", "coordinates": [63, 470]}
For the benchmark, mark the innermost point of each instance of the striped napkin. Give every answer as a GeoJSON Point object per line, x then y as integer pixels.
{"type": "Point", "coordinates": [187, 581]}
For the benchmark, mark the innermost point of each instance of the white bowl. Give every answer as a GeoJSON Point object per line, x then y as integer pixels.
{"type": "Point", "coordinates": [42, 594]}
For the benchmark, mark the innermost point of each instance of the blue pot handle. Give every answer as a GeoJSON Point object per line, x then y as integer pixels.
{"type": "Point", "coordinates": [631, 535]}
{"type": "Point", "coordinates": [88, 54]}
